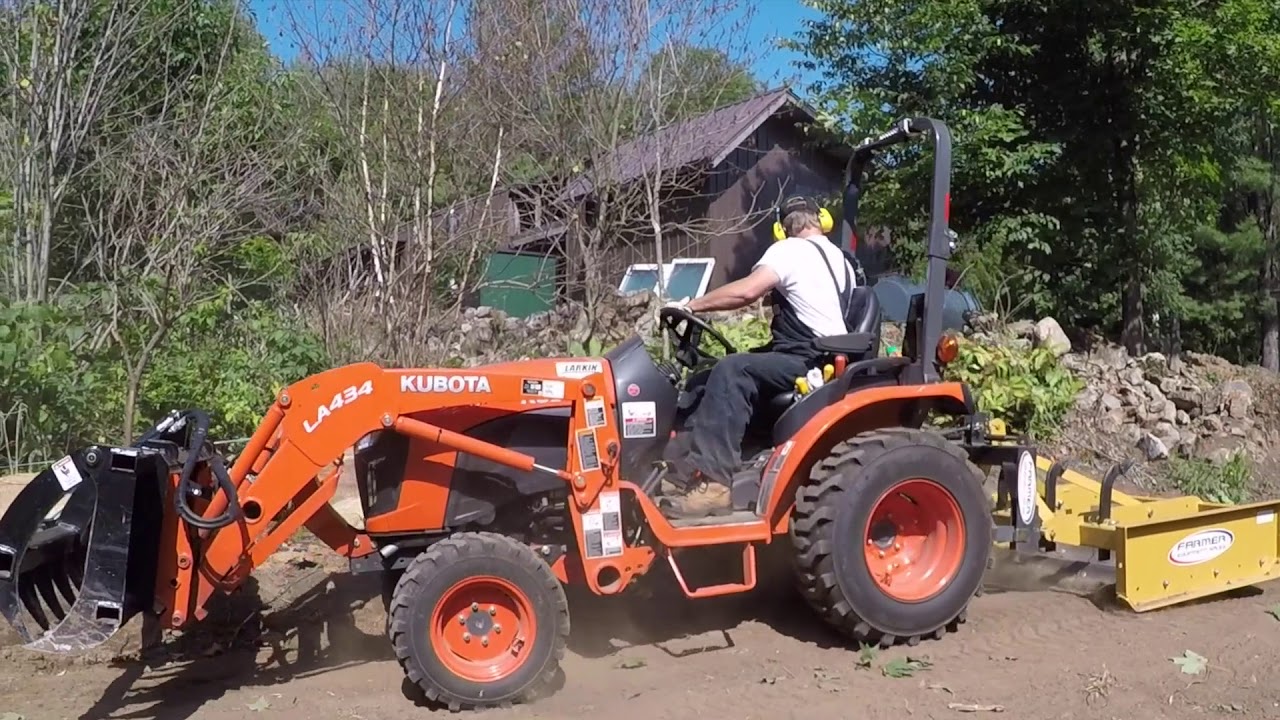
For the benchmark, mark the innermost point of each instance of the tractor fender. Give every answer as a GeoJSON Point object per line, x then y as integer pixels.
{"type": "Point", "coordinates": [859, 411]}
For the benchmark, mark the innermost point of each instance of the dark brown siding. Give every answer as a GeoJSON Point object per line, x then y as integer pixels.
{"type": "Point", "coordinates": [731, 217]}
{"type": "Point", "coordinates": [772, 163]}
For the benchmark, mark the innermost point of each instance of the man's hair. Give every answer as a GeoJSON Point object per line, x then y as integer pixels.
{"type": "Point", "coordinates": [797, 220]}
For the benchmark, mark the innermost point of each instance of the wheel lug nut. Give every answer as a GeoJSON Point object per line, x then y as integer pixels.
{"type": "Point", "coordinates": [475, 607]}
{"type": "Point", "coordinates": [466, 637]}
{"type": "Point", "coordinates": [497, 629]}
{"type": "Point", "coordinates": [485, 641]}
{"type": "Point", "coordinates": [881, 553]}
{"type": "Point", "coordinates": [462, 619]}
{"type": "Point", "coordinates": [493, 609]}
{"type": "Point", "coordinates": [897, 546]}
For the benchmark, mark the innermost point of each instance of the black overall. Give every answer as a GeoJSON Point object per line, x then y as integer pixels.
{"type": "Point", "coordinates": [738, 381]}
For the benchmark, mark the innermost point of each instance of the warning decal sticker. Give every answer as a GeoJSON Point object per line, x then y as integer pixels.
{"type": "Point", "coordinates": [603, 527]}
{"type": "Point", "coordinates": [595, 413]}
{"type": "Point", "coordinates": [553, 389]}
{"type": "Point", "coordinates": [588, 450]}
{"type": "Point", "coordinates": [67, 473]}
{"type": "Point", "coordinates": [639, 420]}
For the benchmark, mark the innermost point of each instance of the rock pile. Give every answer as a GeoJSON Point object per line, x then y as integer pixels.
{"type": "Point", "coordinates": [1165, 406]}
{"type": "Point", "coordinates": [1194, 406]}
{"type": "Point", "coordinates": [488, 335]}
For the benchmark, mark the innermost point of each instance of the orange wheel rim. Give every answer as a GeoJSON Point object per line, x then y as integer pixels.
{"type": "Point", "coordinates": [914, 540]}
{"type": "Point", "coordinates": [483, 628]}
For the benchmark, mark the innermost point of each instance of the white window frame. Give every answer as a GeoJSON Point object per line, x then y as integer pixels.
{"type": "Point", "coordinates": [640, 267]}
{"type": "Point", "coordinates": [709, 265]}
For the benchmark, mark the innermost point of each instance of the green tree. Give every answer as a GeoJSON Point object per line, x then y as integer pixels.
{"type": "Point", "coordinates": [1095, 140]}
{"type": "Point", "coordinates": [693, 80]}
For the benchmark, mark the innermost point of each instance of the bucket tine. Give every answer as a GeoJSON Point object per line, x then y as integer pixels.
{"type": "Point", "coordinates": [44, 587]}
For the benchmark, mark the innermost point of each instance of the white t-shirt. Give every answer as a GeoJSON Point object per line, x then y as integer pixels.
{"type": "Point", "coordinates": [805, 282]}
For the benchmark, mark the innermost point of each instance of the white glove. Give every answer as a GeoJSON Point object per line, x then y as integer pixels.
{"type": "Point", "coordinates": [657, 314]}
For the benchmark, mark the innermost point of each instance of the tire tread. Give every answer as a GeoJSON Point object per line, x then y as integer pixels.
{"type": "Point", "coordinates": [813, 518]}
{"type": "Point", "coordinates": [443, 554]}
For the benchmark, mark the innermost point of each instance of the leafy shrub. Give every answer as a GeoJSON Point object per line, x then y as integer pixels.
{"type": "Point", "coordinates": [229, 358]}
{"type": "Point", "coordinates": [1226, 483]}
{"type": "Point", "coordinates": [1026, 387]}
{"type": "Point", "coordinates": [592, 348]}
{"type": "Point", "coordinates": [55, 392]}
{"type": "Point", "coordinates": [750, 331]}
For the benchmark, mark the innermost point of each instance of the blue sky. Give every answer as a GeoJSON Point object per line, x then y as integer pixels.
{"type": "Point", "coordinates": [772, 18]}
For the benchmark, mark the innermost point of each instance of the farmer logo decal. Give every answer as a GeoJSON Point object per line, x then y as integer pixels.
{"type": "Point", "coordinates": [1201, 547]}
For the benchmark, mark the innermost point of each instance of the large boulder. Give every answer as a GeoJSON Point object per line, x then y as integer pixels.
{"type": "Point", "coordinates": [1049, 334]}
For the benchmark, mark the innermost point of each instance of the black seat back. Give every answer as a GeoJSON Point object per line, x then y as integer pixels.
{"type": "Point", "coordinates": [864, 312]}
{"type": "Point", "coordinates": [862, 318]}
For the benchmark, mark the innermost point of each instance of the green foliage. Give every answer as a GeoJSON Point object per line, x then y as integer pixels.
{"type": "Point", "coordinates": [746, 333]}
{"type": "Point", "coordinates": [1226, 483]}
{"type": "Point", "coordinates": [904, 667]}
{"type": "Point", "coordinates": [60, 390]}
{"type": "Point", "coordinates": [1026, 387]}
{"type": "Point", "coordinates": [1191, 662]}
{"type": "Point", "coordinates": [693, 80]}
{"type": "Point", "coordinates": [52, 398]}
{"type": "Point", "coordinates": [1094, 143]}
{"type": "Point", "coordinates": [1098, 148]}
{"type": "Point", "coordinates": [591, 348]}
{"type": "Point", "coordinates": [230, 359]}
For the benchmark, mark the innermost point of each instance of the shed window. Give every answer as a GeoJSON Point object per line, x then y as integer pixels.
{"type": "Point", "coordinates": [682, 278]}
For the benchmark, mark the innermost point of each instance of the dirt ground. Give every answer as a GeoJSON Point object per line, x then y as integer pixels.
{"type": "Point", "coordinates": [304, 639]}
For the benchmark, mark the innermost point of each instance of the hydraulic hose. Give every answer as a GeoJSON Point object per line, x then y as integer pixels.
{"type": "Point", "coordinates": [217, 468]}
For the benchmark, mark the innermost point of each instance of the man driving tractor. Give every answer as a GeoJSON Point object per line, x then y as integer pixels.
{"type": "Point", "coordinates": [806, 305]}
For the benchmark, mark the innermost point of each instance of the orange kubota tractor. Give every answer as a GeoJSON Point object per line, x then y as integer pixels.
{"type": "Point", "coordinates": [487, 490]}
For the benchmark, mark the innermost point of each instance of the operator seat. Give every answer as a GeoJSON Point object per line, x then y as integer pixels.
{"type": "Point", "coordinates": [860, 343]}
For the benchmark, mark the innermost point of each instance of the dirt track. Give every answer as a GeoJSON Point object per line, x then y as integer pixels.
{"type": "Point", "coordinates": [1035, 654]}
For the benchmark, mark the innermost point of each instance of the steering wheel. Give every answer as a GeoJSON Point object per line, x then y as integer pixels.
{"type": "Point", "coordinates": [688, 340]}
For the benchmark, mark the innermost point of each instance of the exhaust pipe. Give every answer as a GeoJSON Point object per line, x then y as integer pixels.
{"type": "Point", "coordinates": [79, 547]}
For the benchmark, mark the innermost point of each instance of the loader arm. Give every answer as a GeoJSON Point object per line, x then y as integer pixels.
{"type": "Point", "coordinates": [286, 475]}
{"type": "Point", "coordinates": [157, 527]}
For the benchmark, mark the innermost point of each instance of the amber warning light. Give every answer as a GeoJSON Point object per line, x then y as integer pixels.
{"type": "Point", "coordinates": [948, 348]}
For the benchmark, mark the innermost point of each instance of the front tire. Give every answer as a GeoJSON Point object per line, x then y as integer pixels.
{"type": "Point", "coordinates": [892, 535]}
{"type": "Point", "coordinates": [479, 620]}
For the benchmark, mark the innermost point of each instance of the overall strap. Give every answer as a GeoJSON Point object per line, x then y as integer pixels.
{"type": "Point", "coordinates": [846, 295]}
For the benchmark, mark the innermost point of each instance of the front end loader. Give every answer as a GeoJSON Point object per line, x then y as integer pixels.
{"type": "Point", "coordinates": [487, 490]}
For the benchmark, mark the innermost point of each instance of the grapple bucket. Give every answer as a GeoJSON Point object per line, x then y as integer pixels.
{"type": "Point", "coordinates": [78, 548]}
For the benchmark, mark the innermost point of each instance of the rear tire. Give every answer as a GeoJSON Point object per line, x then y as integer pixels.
{"type": "Point", "coordinates": [850, 552]}
{"type": "Point", "coordinates": [478, 621]}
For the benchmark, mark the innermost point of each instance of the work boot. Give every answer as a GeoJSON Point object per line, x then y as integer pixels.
{"type": "Point", "coordinates": [704, 499]}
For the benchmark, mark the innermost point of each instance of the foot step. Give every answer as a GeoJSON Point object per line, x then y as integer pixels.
{"type": "Point", "coordinates": [737, 517]}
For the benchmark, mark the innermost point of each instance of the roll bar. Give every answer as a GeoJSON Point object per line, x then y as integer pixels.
{"type": "Point", "coordinates": [924, 367]}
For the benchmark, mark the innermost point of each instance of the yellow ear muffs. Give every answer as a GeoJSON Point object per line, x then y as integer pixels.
{"type": "Point", "coordinates": [825, 221]}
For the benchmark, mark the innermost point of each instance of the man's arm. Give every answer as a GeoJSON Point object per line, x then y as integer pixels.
{"type": "Point", "coordinates": [739, 293]}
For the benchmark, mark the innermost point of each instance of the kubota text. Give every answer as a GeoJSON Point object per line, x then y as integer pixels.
{"type": "Point", "coordinates": [444, 383]}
